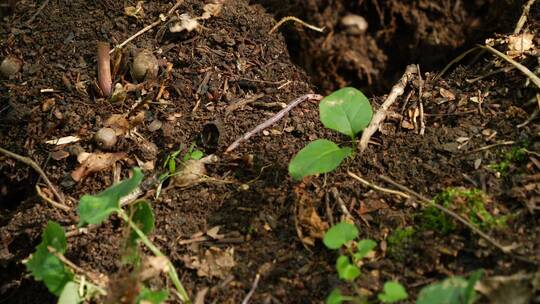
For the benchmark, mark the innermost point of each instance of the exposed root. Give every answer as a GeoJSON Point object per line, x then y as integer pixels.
{"type": "Point", "coordinates": [292, 18]}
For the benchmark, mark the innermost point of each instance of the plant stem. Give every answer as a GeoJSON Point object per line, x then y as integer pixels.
{"type": "Point", "coordinates": [172, 271]}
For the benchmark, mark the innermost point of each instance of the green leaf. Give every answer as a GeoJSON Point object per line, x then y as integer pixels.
{"type": "Point", "coordinates": [154, 297]}
{"type": "Point", "coordinates": [453, 290]}
{"type": "Point", "coordinates": [196, 155]}
{"type": "Point", "coordinates": [93, 209]}
{"type": "Point", "coordinates": [44, 265]}
{"type": "Point", "coordinates": [143, 218]}
{"type": "Point", "coordinates": [346, 270]}
{"type": "Point", "coordinates": [340, 234]}
{"type": "Point", "coordinates": [392, 292]}
{"type": "Point", "coordinates": [335, 297]}
{"type": "Point", "coordinates": [363, 248]}
{"type": "Point", "coordinates": [347, 111]}
{"type": "Point", "coordinates": [70, 294]}
{"type": "Point", "coordinates": [319, 156]}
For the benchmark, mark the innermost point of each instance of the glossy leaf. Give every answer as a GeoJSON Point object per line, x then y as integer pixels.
{"type": "Point", "coordinates": [346, 270]}
{"type": "Point", "coordinates": [347, 111]}
{"type": "Point", "coordinates": [44, 265]}
{"type": "Point", "coordinates": [340, 234]}
{"type": "Point", "coordinates": [93, 209]}
{"type": "Point", "coordinates": [319, 156]}
{"type": "Point", "coordinates": [392, 292]}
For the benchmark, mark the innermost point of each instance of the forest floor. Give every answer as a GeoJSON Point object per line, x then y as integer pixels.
{"type": "Point", "coordinates": [470, 131]}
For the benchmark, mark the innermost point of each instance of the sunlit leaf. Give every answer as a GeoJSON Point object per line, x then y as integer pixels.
{"type": "Point", "coordinates": [392, 292]}
{"type": "Point", "coordinates": [346, 270]}
{"type": "Point", "coordinates": [319, 156]}
{"type": "Point", "coordinates": [340, 234]}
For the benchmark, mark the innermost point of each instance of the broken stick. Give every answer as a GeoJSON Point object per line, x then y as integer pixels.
{"type": "Point", "coordinates": [378, 118]}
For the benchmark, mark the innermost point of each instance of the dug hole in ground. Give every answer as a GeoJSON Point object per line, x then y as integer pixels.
{"type": "Point", "coordinates": [464, 134]}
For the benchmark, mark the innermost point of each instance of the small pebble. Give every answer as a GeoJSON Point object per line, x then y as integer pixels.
{"type": "Point", "coordinates": [106, 138]}
{"type": "Point", "coordinates": [10, 66]}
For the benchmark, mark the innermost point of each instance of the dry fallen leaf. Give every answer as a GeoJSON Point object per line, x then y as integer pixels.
{"type": "Point", "coordinates": [447, 94]}
{"type": "Point", "coordinates": [520, 43]}
{"type": "Point", "coordinates": [153, 266]}
{"type": "Point", "coordinates": [212, 9]}
{"type": "Point", "coordinates": [187, 23]}
{"type": "Point", "coordinates": [216, 262]}
{"type": "Point", "coordinates": [94, 162]}
{"type": "Point", "coordinates": [136, 12]}
{"type": "Point", "coordinates": [118, 123]}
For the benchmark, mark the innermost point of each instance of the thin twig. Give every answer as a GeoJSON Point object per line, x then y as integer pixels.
{"type": "Point", "coordinates": [252, 290]}
{"type": "Point", "coordinates": [378, 118]}
{"type": "Point", "coordinates": [50, 201]}
{"type": "Point", "coordinates": [421, 86]}
{"type": "Point", "coordinates": [272, 120]}
{"type": "Point", "coordinates": [523, 18]}
{"type": "Point", "coordinates": [429, 202]}
{"type": "Point", "coordinates": [292, 18]}
{"type": "Point", "coordinates": [98, 279]}
{"type": "Point", "coordinates": [34, 16]}
{"type": "Point", "coordinates": [149, 27]}
{"type": "Point", "coordinates": [454, 61]}
{"type": "Point", "coordinates": [378, 188]}
{"type": "Point", "coordinates": [503, 143]}
{"type": "Point", "coordinates": [518, 65]}
{"type": "Point", "coordinates": [35, 166]}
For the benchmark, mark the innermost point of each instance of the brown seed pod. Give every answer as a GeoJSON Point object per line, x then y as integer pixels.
{"type": "Point", "coordinates": [10, 66]}
{"type": "Point", "coordinates": [145, 65]}
{"type": "Point", "coordinates": [106, 138]}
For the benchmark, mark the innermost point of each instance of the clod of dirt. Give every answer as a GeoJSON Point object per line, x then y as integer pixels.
{"type": "Point", "coordinates": [106, 138]}
{"type": "Point", "coordinates": [354, 24]}
{"type": "Point", "coordinates": [10, 66]}
{"type": "Point", "coordinates": [145, 65]}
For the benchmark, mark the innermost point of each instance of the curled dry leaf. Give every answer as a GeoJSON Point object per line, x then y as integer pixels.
{"type": "Point", "coordinates": [354, 24]}
{"type": "Point", "coordinates": [136, 12]}
{"type": "Point", "coordinates": [216, 262]}
{"type": "Point", "coordinates": [186, 23]}
{"type": "Point", "coordinates": [193, 171]}
{"type": "Point", "coordinates": [94, 162]}
{"type": "Point", "coordinates": [118, 123]}
{"type": "Point", "coordinates": [520, 43]}
{"type": "Point", "coordinates": [212, 9]}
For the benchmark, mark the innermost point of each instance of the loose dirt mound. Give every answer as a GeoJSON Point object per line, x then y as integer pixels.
{"type": "Point", "coordinates": [226, 78]}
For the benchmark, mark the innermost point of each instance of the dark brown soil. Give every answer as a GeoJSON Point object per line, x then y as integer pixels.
{"type": "Point", "coordinates": [250, 195]}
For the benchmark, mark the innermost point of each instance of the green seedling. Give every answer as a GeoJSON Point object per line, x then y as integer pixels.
{"type": "Point", "coordinates": [469, 203]}
{"type": "Point", "coordinates": [344, 235]}
{"type": "Point", "coordinates": [170, 164]}
{"type": "Point", "coordinates": [347, 111]}
{"type": "Point", "coordinates": [453, 290]}
{"type": "Point", "coordinates": [45, 264]}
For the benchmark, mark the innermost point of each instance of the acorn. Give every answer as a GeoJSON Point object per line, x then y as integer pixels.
{"type": "Point", "coordinates": [145, 65]}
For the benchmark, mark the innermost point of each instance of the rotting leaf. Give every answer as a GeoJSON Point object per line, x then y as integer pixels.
{"type": "Point", "coordinates": [136, 12]}
{"type": "Point", "coordinates": [216, 262]}
{"type": "Point", "coordinates": [94, 162]}
{"type": "Point", "coordinates": [319, 156]}
{"type": "Point", "coordinates": [44, 265]}
{"type": "Point", "coordinates": [347, 111]}
{"type": "Point", "coordinates": [93, 209]}
{"type": "Point", "coordinates": [187, 23]}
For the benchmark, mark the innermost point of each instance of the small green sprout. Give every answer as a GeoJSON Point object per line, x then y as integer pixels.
{"type": "Point", "coordinates": [170, 164]}
{"type": "Point", "coordinates": [516, 155]}
{"type": "Point", "coordinates": [343, 235]}
{"type": "Point", "coordinates": [347, 111]}
{"type": "Point", "coordinates": [45, 264]}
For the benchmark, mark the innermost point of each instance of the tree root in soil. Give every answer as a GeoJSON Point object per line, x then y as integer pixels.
{"type": "Point", "coordinates": [33, 165]}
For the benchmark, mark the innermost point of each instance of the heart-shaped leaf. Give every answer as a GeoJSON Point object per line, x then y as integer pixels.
{"type": "Point", "coordinates": [340, 234]}
{"type": "Point", "coordinates": [347, 111]}
{"type": "Point", "coordinates": [392, 292]}
{"type": "Point", "coordinates": [347, 271]}
{"type": "Point", "coordinates": [319, 156]}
